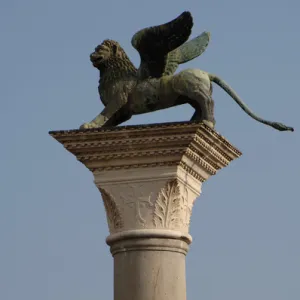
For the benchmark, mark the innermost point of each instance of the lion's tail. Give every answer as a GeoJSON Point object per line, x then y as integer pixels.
{"type": "Point", "coordinates": [220, 82]}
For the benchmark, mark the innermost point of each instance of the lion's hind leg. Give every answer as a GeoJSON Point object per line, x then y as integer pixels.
{"type": "Point", "coordinates": [195, 87]}
{"type": "Point", "coordinates": [204, 108]}
{"type": "Point", "coordinates": [198, 114]}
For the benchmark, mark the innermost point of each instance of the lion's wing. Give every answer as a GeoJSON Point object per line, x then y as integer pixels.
{"type": "Point", "coordinates": [154, 43]}
{"type": "Point", "coordinates": [186, 52]}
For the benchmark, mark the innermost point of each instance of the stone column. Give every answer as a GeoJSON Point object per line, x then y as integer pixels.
{"type": "Point", "coordinates": [149, 177]}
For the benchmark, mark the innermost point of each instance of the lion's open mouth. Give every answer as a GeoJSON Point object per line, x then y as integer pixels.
{"type": "Point", "coordinates": [96, 58]}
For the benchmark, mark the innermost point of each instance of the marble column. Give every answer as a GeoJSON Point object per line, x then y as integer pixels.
{"type": "Point", "coordinates": [149, 177]}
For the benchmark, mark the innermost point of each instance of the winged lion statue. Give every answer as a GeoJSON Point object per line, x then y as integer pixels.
{"type": "Point", "coordinates": [126, 91]}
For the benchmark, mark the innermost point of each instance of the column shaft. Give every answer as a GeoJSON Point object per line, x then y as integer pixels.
{"type": "Point", "coordinates": [147, 269]}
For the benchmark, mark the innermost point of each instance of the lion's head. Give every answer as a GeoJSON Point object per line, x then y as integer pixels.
{"type": "Point", "coordinates": [107, 52]}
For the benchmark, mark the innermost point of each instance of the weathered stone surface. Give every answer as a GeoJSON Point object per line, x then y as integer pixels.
{"type": "Point", "coordinates": [149, 269]}
{"type": "Point", "coordinates": [149, 177]}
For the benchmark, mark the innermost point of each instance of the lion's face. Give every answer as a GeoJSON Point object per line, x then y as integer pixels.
{"type": "Point", "coordinates": [104, 52]}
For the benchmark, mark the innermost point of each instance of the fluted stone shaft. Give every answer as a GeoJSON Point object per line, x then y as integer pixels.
{"type": "Point", "coordinates": [149, 177]}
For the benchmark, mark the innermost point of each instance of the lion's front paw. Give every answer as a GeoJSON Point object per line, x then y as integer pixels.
{"type": "Point", "coordinates": [88, 125]}
{"type": "Point", "coordinates": [209, 124]}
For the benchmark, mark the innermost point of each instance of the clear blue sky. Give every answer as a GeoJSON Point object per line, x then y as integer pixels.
{"type": "Point", "coordinates": [52, 222]}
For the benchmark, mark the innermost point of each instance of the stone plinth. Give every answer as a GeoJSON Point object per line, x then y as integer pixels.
{"type": "Point", "coordinates": [149, 177]}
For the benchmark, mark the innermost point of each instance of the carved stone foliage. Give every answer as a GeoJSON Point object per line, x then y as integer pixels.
{"type": "Point", "coordinates": [159, 204]}
{"type": "Point", "coordinates": [172, 208]}
{"type": "Point", "coordinates": [114, 218]}
{"type": "Point", "coordinates": [188, 201]}
{"type": "Point", "coordinates": [167, 211]}
{"type": "Point", "coordinates": [135, 202]}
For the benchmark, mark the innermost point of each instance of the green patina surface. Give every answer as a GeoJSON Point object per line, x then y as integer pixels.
{"type": "Point", "coordinates": [126, 91]}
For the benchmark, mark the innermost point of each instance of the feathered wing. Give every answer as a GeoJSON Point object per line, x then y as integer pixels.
{"type": "Point", "coordinates": [186, 52]}
{"type": "Point", "coordinates": [154, 43]}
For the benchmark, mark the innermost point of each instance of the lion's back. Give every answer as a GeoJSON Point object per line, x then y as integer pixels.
{"type": "Point", "coordinates": [191, 79]}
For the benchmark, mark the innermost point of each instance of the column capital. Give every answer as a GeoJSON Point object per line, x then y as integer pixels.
{"type": "Point", "coordinates": [149, 175]}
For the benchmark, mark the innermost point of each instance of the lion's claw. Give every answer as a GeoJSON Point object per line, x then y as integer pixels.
{"type": "Point", "coordinates": [209, 124]}
{"type": "Point", "coordinates": [88, 125]}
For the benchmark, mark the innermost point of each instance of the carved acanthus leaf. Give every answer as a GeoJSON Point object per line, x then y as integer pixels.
{"type": "Point", "coordinates": [113, 214]}
{"type": "Point", "coordinates": [168, 206]}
